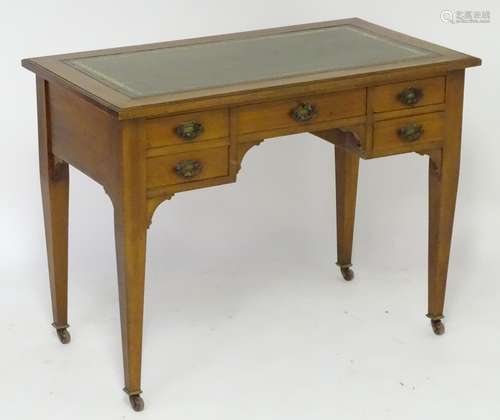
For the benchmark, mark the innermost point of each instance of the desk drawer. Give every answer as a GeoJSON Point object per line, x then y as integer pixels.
{"type": "Point", "coordinates": [406, 133]}
{"type": "Point", "coordinates": [186, 167]}
{"type": "Point", "coordinates": [187, 128]}
{"type": "Point", "coordinates": [300, 112]}
{"type": "Point", "coordinates": [408, 94]}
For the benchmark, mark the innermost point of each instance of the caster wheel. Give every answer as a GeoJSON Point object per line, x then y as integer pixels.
{"type": "Point", "coordinates": [438, 327]}
{"type": "Point", "coordinates": [64, 335]}
{"type": "Point", "coordinates": [347, 273]}
{"type": "Point", "coordinates": [136, 402]}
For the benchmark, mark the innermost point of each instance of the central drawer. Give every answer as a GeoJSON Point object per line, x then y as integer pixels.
{"type": "Point", "coordinates": [301, 112]}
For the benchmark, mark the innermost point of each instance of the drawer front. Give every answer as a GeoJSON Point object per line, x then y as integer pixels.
{"type": "Point", "coordinates": [187, 167]}
{"type": "Point", "coordinates": [301, 111]}
{"type": "Point", "coordinates": [408, 94]}
{"type": "Point", "coordinates": [409, 132]}
{"type": "Point", "coordinates": [187, 128]}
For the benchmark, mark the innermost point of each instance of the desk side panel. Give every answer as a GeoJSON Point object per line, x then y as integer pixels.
{"type": "Point", "coordinates": [82, 134]}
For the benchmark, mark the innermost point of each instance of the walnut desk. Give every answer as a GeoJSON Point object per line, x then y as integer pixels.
{"type": "Point", "coordinates": [147, 122]}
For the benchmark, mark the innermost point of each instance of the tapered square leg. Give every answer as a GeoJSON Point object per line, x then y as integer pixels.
{"type": "Point", "coordinates": [129, 202]}
{"type": "Point", "coordinates": [131, 250]}
{"type": "Point", "coordinates": [54, 179]}
{"type": "Point", "coordinates": [443, 183]}
{"type": "Point", "coordinates": [346, 182]}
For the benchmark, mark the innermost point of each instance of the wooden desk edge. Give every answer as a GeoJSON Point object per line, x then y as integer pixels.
{"type": "Point", "coordinates": [127, 110]}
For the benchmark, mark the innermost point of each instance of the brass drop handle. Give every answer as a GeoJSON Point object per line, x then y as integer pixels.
{"type": "Point", "coordinates": [410, 132]}
{"type": "Point", "coordinates": [304, 112]}
{"type": "Point", "coordinates": [410, 96]}
{"type": "Point", "coordinates": [189, 131]}
{"type": "Point", "coordinates": [188, 168]}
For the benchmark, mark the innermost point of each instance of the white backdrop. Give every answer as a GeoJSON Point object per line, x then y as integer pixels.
{"type": "Point", "coordinates": [246, 313]}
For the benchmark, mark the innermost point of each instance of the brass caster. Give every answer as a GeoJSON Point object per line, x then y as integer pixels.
{"type": "Point", "coordinates": [136, 402]}
{"type": "Point", "coordinates": [63, 335]}
{"type": "Point", "coordinates": [347, 273]}
{"type": "Point", "coordinates": [437, 326]}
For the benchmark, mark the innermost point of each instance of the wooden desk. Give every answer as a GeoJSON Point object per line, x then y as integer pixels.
{"type": "Point", "coordinates": [147, 122]}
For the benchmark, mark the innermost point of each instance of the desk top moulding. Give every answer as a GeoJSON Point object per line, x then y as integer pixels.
{"type": "Point", "coordinates": [169, 77]}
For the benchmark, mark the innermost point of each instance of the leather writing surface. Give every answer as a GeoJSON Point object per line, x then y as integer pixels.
{"type": "Point", "coordinates": [224, 63]}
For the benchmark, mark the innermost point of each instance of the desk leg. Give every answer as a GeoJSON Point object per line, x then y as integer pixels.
{"type": "Point", "coordinates": [346, 182]}
{"type": "Point", "coordinates": [54, 180]}
{"type": "Point", "coordinates": [129, 202]}
{"type": "Point", "coordinates": [130, 251]}
{"type": "Point", "coordinates": [444, 169]}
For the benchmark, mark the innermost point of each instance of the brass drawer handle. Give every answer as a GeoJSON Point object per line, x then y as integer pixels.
{"type": "Point", "coordinates": [188, 168]}
{"type": "Point", "coordinates": [410, 132]}
{"type": "Point", "coordinates": [304, 112]}
{"type": "Point", "coordinates": [189, 131]}
{"type": "Point", "coordinates": [410, 96]}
